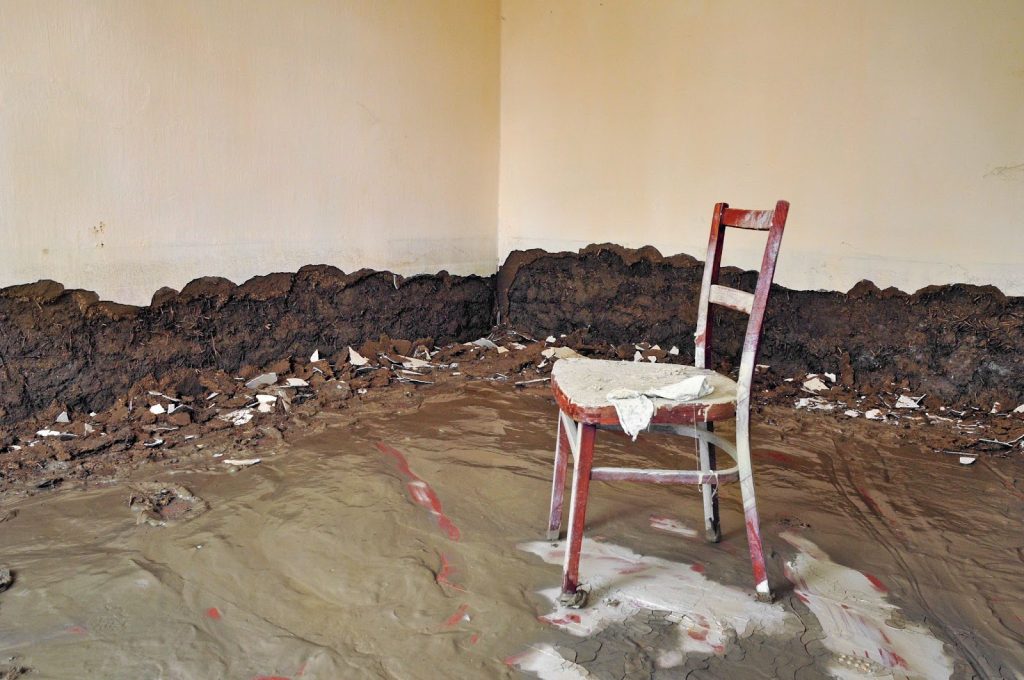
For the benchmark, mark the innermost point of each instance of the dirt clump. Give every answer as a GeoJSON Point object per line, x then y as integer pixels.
{"type": "Point", "coordinates": [962, 345]}
{"type": "Point", "coordinates": [67, 349]}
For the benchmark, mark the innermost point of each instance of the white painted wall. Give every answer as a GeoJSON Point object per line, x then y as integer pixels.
{"type": "Point", "coordinates": [896, 129]}
{"type": "Point", "coordinates": [144, 143]}
{"type": "Point", "coordinates": [147, 142]}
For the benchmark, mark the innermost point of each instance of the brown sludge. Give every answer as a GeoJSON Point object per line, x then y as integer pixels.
{"type": "Point", "coordinates": [326, 560]}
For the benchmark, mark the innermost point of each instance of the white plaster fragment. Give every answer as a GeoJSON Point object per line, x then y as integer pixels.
{"type": "Point", "coordinates": [815, 384]}
{"type": "Point", "coordinates": [264, 380]}
{"type": "Point", "coordinates": [356, 359]}
{"type": "Point", "coordinates": [852, 413]}
{"type": "Point", "coordinates": [157, 409]}
{"type": "Point", "coordinates": [674, 351]}
{"type": "Point", "coordinates": [485, 343]}
{"type": "Point", "coordinates": [314, 357]}
{"type": "Point", "coordinates": [62, 418]}
{"type": "Point", "coordinates": [908, 402]}
{"type": "Point", "coordinates": [813, 404]}
{"type": "Point", "coordinates": [967, 460]}
{"type": "Point", "coordinates": [560, 353]}
{"type": "Point", "coordinates": [238, 417]}
{"type": "Point", "coordinates": [266, 402]}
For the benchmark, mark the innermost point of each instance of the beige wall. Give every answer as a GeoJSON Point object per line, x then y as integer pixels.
{"type": "Point", "coordinates": [896, 129]}
{"type": "Point", "coordinates": [147, 142]}
{"type": "Point", "coordinates": [144, 143]}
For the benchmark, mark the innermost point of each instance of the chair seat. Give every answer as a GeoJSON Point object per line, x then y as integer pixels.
{"type": "Point", "coordinates": [581, 388]}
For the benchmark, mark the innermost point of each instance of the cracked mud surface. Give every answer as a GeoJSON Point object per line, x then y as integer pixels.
{"type": "Point", "coordinates": [389, 545]}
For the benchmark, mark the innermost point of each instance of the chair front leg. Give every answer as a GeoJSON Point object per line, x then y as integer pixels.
{"type": "Point", "coordinates": [707, 459]}
{"type": "Point", "coordinates": [572, 594]}
{"type": "Point", "coordinates": [757, 560]}
{"type": "Point", "coordinates": [558, 481]}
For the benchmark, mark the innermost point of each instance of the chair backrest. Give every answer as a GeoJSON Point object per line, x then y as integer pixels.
{"type": "Point", "coordinates": [753, 304]}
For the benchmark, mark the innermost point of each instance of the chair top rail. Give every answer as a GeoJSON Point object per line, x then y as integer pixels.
{"type": "Point", "coordinates": [758, 220]}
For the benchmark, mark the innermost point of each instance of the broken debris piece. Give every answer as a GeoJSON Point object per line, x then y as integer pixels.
{"type": "Point", "coordinates": [909, 402]}
{"type": "Point", "coordinates": [967, 460]}
{"type": "Point", "coordinates": [485, 343]}
{"type": "Point", "coordinates": [264, 380]}
{"type": "Point", "coordinates": [815, 384]}
{"type": "Point", "coordinates": [356, 359]}
{"type": "Point", "coordinates": [238, 417]}
{"type": "Point", "coordinates": [242, 462]}
{"type": "Point", "coordinates": [561, 353]}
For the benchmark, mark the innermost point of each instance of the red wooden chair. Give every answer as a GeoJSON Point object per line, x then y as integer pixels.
{"type": "Point", "coordinates": [581, 385]}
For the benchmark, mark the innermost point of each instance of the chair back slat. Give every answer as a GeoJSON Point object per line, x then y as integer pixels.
{"type": "Point", "coordinates": [739, 300]}
{"type": "Point", "coordinates": [753, 304]}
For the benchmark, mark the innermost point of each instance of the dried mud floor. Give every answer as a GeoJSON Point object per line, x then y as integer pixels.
{"type": "Point", "coordinates": [404, 543]}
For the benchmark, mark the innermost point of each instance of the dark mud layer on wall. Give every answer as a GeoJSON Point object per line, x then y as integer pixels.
{"type": "Point", "coordinates": [67, 347]}
{"type": "Point", "coordinates": [959, 344]}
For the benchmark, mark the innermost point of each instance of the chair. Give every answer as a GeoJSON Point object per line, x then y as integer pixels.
{"type": "Point", "coordinates": [581, 385]}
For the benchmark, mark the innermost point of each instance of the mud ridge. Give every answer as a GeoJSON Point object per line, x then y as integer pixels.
{"type": "Point", "coordinates": [67, 347]}
{"type": "Point", "coordinates": [960, 344]}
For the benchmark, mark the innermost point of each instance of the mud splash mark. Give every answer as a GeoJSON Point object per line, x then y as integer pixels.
{"type": "Point", "coordinates": [157, 504]}
{"type": "Point", "coordinates": [623, 583]}
{"type": "Point", "coordinates": [421, 492]}
{"type": "Point", "coordinates": [547, 664]}
{"type": "Point", "coordinates": [854, 615]}
{"type": "Point", "coordinates": [672, 526]}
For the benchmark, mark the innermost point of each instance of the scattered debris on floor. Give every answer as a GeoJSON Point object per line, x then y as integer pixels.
{"type": "Point", "coordinates": [189, 412]}
{"type": "Point", "coordinates": [156, 504]}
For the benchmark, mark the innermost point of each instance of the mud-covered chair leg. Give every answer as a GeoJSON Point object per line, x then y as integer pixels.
{"type": "Point", "coordinates": [572, 594]}
{"type": "Point", "coordinates": [558, 481]}
{"type": "Point", "coordinates": [706, 458]}
{"type": "Point", "coordinates": [750, 517]}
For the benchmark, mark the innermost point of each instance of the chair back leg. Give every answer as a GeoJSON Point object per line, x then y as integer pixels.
{"type": "Point", "coordinates": [558, 481]}
{"type": "Point", "coordinates": [750, 506]}
{"type": "Point", "coordinates": [707, 460]}
{"type": "Point", "coordinates": [572, 594]}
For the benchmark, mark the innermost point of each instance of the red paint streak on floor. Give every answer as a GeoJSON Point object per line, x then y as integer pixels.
{"type": "Point", "coordinates": [271, 677]}
{"type": "Point", "coordinates": [445, 573]}
{"type": "Point", "coordinates": [77, 630]}
{"type": "Point", "coordinates": [568, 618]}
{"type": "Point", "coordinates": [778, 457]}
{"type": "Point", "coordinates": [213, 613]}
{"type": "Point", "coordinates": [698, 567]}
{"type": "Point", "coordinates": [474, 639]}
{"type": "Point", "coordinates": [455, 618]}
{"type": "Point", "coordinates": [875, 582]}
{"type": "Point", "coordinates": [421, 492]}
{"type": "Point", "coordinates": [698, 634]}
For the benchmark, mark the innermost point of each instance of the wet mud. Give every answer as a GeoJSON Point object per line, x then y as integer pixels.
{"type": "Point", "coordinates": [69, 350]}
{"type": "Point", "coordinates": [959, 344]}
{"type": "Point", "coordinates": [406, 542]}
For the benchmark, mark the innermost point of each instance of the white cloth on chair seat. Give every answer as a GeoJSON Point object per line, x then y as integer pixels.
{"type": "Point", "coordinates": [637, 390]}
{"type": "Point", "coordinates": [635, 407]}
